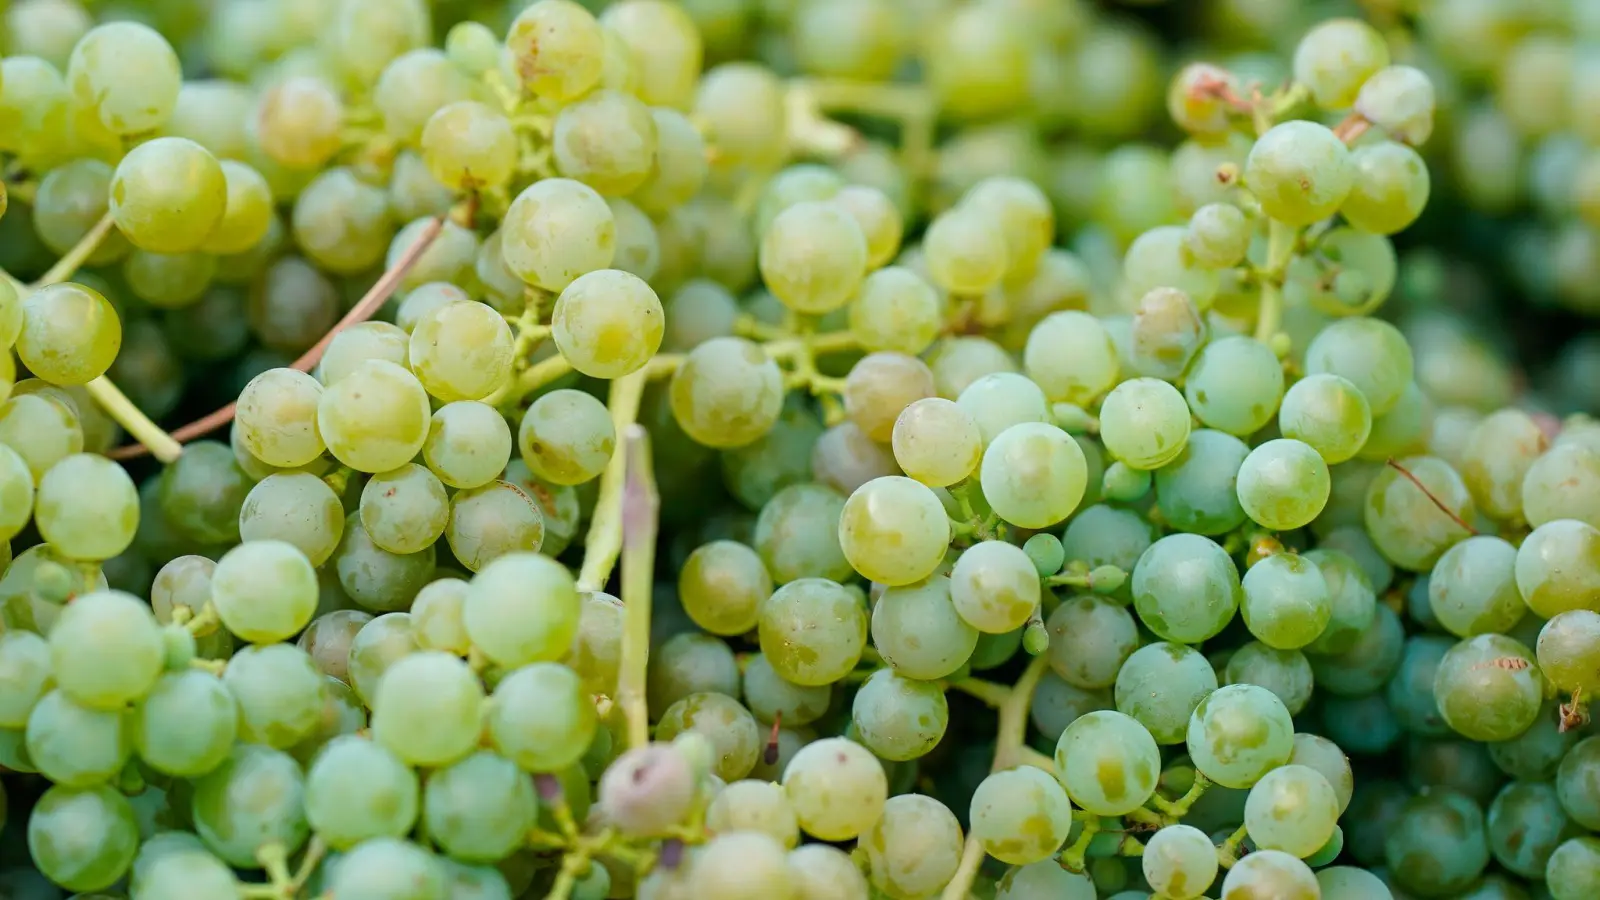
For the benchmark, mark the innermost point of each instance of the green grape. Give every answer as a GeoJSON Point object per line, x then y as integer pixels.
{"type": "Point", "coordinates": [479, 809]}
{"type": "Point", "coordinates": [1194, 100]}
{"type": "Point", "coordinates": [298, 122]}
{"type": "Point", "coordinates": [1437, 845]}
{"type": "Point", "coordinates": [566, 437]}
{"type": "Point", "coordinates": [1046, 553]}
{"type": "Point", "coordinates": [83, 840]}
{"type": "Point", "coordinates": [376, 647]}
{"type": "Point", "coordinates": [1180, 861]}
{"type": "Point", "coordinates": [1286, 673]}
{"type": "Point", "coordinates": [1240, 733]}
{"type": "Point", "coordinates": [1185, 588]}
{"type": "Point", "coordinates": [1024, 216]}
{"type": "Point", "coordinates": [293, 306]}
{"type": "Point", "coordinates": [690, 663]}
{"type": "Point", "coordinates": [1370, 354]}
{"type": "Point", "coordinates": [1367, 662]}
{"type": "Point", "coordinates": [1046, 879]}
{"type": "Point", "coordinates": [522, 608]}
{"type": "Point", "coordinates": [769, 696]}
{"type": "Point", "coordinates": [994, 587]}
{"type": "Point", "coordinates": [1324, 756]}
{"type": "Point", "coordinates": [895, 310]}
{"type": "Point", "coordinates": [375, 578]}
{"type": "Point", "coordinates": [1496, 459]}
{"type": "Point", "coordinates": [1283, 484]}
{"type": "Point", "coordinates": [1561, 484]}
{"type": "Point", "coordinates": [468, 444]}
{"type": "Point", "coordinates": [1578, 782]}
{"type": "Point", "coordinates": [41, 429]}
{"type": "Point", "coordinates": [247, 212]}
{"type": "Point", "coordinates": [638, 245]}
{"type": "Point", "coordinates": [1555, 569]}
{"type": "Point", "coordinates": [1473, 590]}
{"type": "Point", "coordinates": [1159, 258]}
{"type": "Point", "coordinates": [168, 195]}
{"type": "Point", "coordinates": [1090, 639]}
{"type": "Point", "coordinates": [70, 334]}
{"type": "Point", "coordinates": [280, 693]}
{"type": "Point", "coordinates": [1198, 490]}
{"type": "Point", "coordinates": [87, 507]}
{"type": "Point", "coordinates": [1219, 235]}
{"type": "Point", "coordinates": [1292, 809]}
{"type": "Point", "coordinates": [557, 49]}
{"type": "Point", "coordinates": [664, 45]}
{"type": "Point", "coordinates": [1021, 815]}
{"type": "Point", "coordinates": [1406, 522]}
{"type": "Point", "coordinates": [469, 145]}
{"type": "Point", "coordinates": [416, 84]}
{"type": "Point", "coordinates": [1071, 357]}
{"type": "Point", "coordinates": [913, 847]}
{"type": "Point", "coordinates": [679, 167]}
{"type": "Point", "coordinates": [1391, 188]}
{"type": "Point", "coordinates": [1573, 871]}
{"type": "Point", "coordinates": [184, 581]}
{"type": "Point", "coordinates": [957, 362]}
{"type": "Point", "coordinates": [894, 530]}
{"type": "Point", "coordinates": [296, 508]}
{"type": "Point", "coordinates": [1286, 601]}
{"type": "Point", "coordinates": [402, 511]}
{"type": "Point", "coordinates": [465, 882]}
{"type": "Point", "coordinates": [276, 418]}
{"type": "Point", "coordinates": [752, 805]}
{"type": "Point", "coordinates": [1328, 413]}
{"type": "Point", "coordinates": [1534, 755]}
{"type": "Point", "coordinates": [726, 393]}
{"type": "Point", "coordinates": [328, 638]}
{"type": "Point", "coordinates": [607, 140]}
{"type": "Point", "coordinates": [70, 199]}
{"type": "Point", "coordinates": [1300, 171]}
{"type": "Point", "coordinates": [492, 521]}
{"type": "Point", "coordinates": [919, 631]}
{"type": "Point", "coordinates": [541, 717]}
{"type": "Point", "coordinates": [75, 745]}
{"type": "Point", "coordinates": [1525, 825]}
{"type": "Point", "coordinates": [1108, 763]}
{"type": "Point", "coordinates": [1144, 422]}
{"type": "Point", "coordinates": [755, 472]}
{"type": "Point", "coordinates": [387, 868]}
{"type": "Point", "coordinates": [342, 223]}
{"type": "Point", "coordinates": [740, 864]}
{"type": "Point", "coordinates": [1034, 474]}
{"type": "Point", "coordinates": [880, 387]}
{"type": "Point", "coordinates": [356, 789]}
{"type": "Point", "coordinates": [168, 280]}
{"type": "Point", "coordinates": [1235, 385]}
{"type": "Point", "coordinates": [415, 194]}
{"type": "Point", "coordinates": [558, 504]}
{"type": "Point", "coordinates": [427, 708]}
{"type": "Point", "coordinates": [556, 230]}
{"type": "Point", "coordinates": [899, 718]}
{"type": "Point", "coordinates": [24, 676]}
{"type": "Point", "coordinates": [1125, 484]}
{"type": "Point", "coordinates": [735, 739]}
{"type": "Point", "coordinates": [847, 40]}
{"type": "Point", "coordinates": [127, 75]}
{"type": "Point", "coordinates": [1335, 57]}
{"type": "Point", "coordinates": [965, 250]}
{"type": "Point", "coordinates": [797, 534]}
{"type": "Point", "coordinates": [742, 105]}
{"type": "Point", "coordinates": [181, 871]}
{"type": "Point", "coordinates": [1482, 693]}
{"type": "Point", "coordinates": [1001, 399]}
{"type": "Point", "coordinates": [813, 256]}
{"type": "Point", "coordinates": [1567, 649]}
{"type": "Point", "coordinates": [376, 418]}
{"type": "Point", "coordinates": [202, 493]}
{"type": "Point", "coordinates": [1400, 100]}
{"type": "Point", "coordinates": [879, 219]}
{"type": "Point", "coordinates": [722, 586]}
{"type": "Point", "coordinates": [697, 312]}
{"type": "Point", "coordinates": [16, 493]}
{"type": "Point", "coordinates": [264, 591]}
{"type": "Point", "coordinates": [1270, 873]}
{"type": "Point", "coordinates": [186, 724]}
{"type": "Point", "coordinates": [105, 649]}
{"type": "Point", "coordinates": [1159, 685]}
{"type": "Point", "coordinates": [461, 351]}
{"type": "Point", "coordinates": [214, 113]}
{"type": "Point", "coordinates": [436, 616]}
{"type": "Point", "coordinates": [812, 631]}
{"type": "Point", "coordinates": [34, 111]}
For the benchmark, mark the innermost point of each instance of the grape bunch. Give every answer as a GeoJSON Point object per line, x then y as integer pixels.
{"type": "Point", "coordinates": [795, 450]}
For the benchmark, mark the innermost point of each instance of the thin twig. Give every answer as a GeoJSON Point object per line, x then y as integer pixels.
{"type": "Point", "coordinates": [640, 508]}
{"type": "Point", "coordinates": [68, 265]}
{"type": "Point", "coordinates": [364, 309]}
{"type": "Point", "coordinates": [1430, 495]}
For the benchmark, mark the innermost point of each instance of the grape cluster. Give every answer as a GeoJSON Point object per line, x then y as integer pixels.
{"type": "Point", "coordinates": [814, 450]}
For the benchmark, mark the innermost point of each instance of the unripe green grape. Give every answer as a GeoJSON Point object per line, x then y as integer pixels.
{"type": "Point", "coordinates": [415, 85]}
{"type": "Point", "coordinates": [556, 230]}
{"type": "Point", "coordinates": [1185, 588]}
{"type": "Point", "coordinates": [665, 46]}
{"type": "Point", "coordinates": [276, 418]}
{"type": "Point", "coordinates": [1034, 475]}
{"type": "Point", "coordinates": [297, 508]}
{"type": "Point", "coordinates": [427, 709]}
{"type": "Point", "coordinates": [41, 429]}
{"type": "Point", "coordinates": [812, 631]}
{"type": "Point", "coordinates": [1286, 673]}
{"type": "Point", "coordinates": [73, 744]}
{"type": "Point", "coordinates": [1000, 400]}
{"type": "Point", "coordinates": [1568, 645]}
{"type": "Point", "coordinates": [1283, 484]}
{"type": "Point", "coordinates": [1373, 355]}
{"type": "Point", "coordinates": [1300, 171]}
{"type": "Point", "coordinates": [264, 591]}
{"type": "Point", "coordinates": [1481, 692]}
{"type": "Point", "coordinates": [186, 724]}
{"type": "Point", "coordinates": [87, 507]}
{"type": "Point", "coordinates": [280, 693]}
{"type": "Point", "coordinates": [1407, 524]}
{"type": "Point", "coordinates": [341, 222]}
{"type": "Point", "coordinates": [1219, 235]}
{"type": "Point", "coordinates": [376, 418]}
{"type": "Point", "coordinates": [1555, 566]}
{"type": "Point", "coordinates": [84, 840]}
{"type": "Point", "coordinates": [1391, 188]}
{"type": "Point", "coordinates": [895, 309]}
{"type": "Point", "coordinates": [1144, 422]}
{"type": "Point", "coordinates": [557, 49]}
{"type": "Point", "coordinates": [1108, 763]}
{"type": "Point", "coordinates": [566, 437]}
{"type": "Point", "coordinates": [70, 334]}
{"type": "Point", "coordinates": [1195, 99]}
{"type": "Point", "coordinates": [1233, 710]}
{"type": "Point", "coordinates": [1473, 590]}
{"type": "Point", "coordinates": [679, 167]}
{"type": "Point", "coordinates": [976, 61]}
{"type": "Point", "coordinates": [894, 530]}
{"type": "Point", "coordinates": [1160, 258]}
{"type": "Point", "coordinates": [1400, 100]}
{"type": "Point", "coordinates": [389, 867]}
{"type": "Point", "coordinates": [880, 386]}
{"type": "Point", "coordinates": [492, 520]}
{"type": "Point", "coordinates": [461, 351]}
{"type": "Point", "coordinates": [1197, 491]}
{"type": "Point", "coordinates": [1286, 602]}
{"type": "Point", "coordinates": [106, 649]}
{"type": "Point", "coordinates": [1327, 412]}
{"type": "Point", "coordinates": [726, 393]}
{"type": "Point", "coordinates": [638, 241]}
{"type": "Point", "coordinates": [956, 362]}
{"type": "Point", "coordinates": [468, 444]}
{"type": "Point", "coordinates": [936, 442]}
{"type": "Point", "coordinates": [1335, 57]}
{"type": "Point", "coordinates": [897, 717]}
{"type": "Point", "coordinates": [522, 608]}
{"type": "Point", "coordinates": [770, 696]}
{"type": "Point", "coordinates": [758, 806]}
{"type": "Point", "coordinates": [1571, 872]}
{"type": "Point", "coordinates": [918, 631]}
{"type": "Point", "coordinates": [450, 258]}
{"type": "Point", "coordinates": [467, 145]}
{"type": "Point", "coordinates": [1071, 357]}
{"type": "Point", "coordinates": [965, 251]}
{"type": "Point", "coordinates": [168, 280]}
{"type": "Point", "coordinates": [357, 789]}
{"type": "Point", "coordinates": [359, 343]}
{"type": "Point", "coordinates": [69, 200]}
{"type": "Point", "coordinates": [608, 323]}
{"type": "Point", "coordinates": [127, 74]}
{"type": "Point", "coordinates": [814, 256]}
{"type": "Point", "coordinates": [47, 28]}
{"type": "Point", "coordinates": [480, 808]}
{"type": "Point", "coordinates": [847, 40]}
{"type": "Point", "coordinates": [722, 586]}
{"type": "Point", "coordinates": [299, 122]}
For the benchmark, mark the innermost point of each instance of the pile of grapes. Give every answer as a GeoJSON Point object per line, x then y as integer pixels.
{"type": "Point", "coordinates": [799, 450]}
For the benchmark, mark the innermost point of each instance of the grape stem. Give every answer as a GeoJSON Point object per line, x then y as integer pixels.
{"type": "Point", "coordinates": [966, 872]}
{"type": "Point", "coordinates": [1174, 810]}
{"type": "Point", "coordinates": [1228, 853]}
{"type": "Point", "coordinates": [364, 309]}
{"type": "Point", "coordinates": [640, 506]}
{"type": "Point", "coordinates": [604, 540]}
{"type": "Point", "coordinates": [73, 259]}
{"type": "Point", "coordinates": [995, 695]}
{"type": "Point", "coordinates": [1280, 248]}
{"type": "Point", "coordinates": [1072, 856]}
{"type": "Point", "coordinates": [1430, 495]}
{"type": "Point", "coordinates": [915, 110]}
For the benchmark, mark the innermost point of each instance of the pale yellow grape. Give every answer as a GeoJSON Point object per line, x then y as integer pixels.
{"type": "Point", "coordinates": [105, 649]}
{"type": "Point", "coordinates": [814, 256]}
{"type": "Point", "coordinates": [726, 393]}
{"type": "Point", "coordinates": [1071, 357]}
{"type": "Point", "coordinates": [836, 787]}
{"type": "Point", "coordinates": [880, 220]}
{"type": "Point", "coordinates": [70, 334]}
{"type": "Point", "coordinates": [87, 507]}
{"type": "Point", "coordinates": [742, 104]}
{"type": "Point", "coordinates": [247, 212]}
{"type": "Point", "coordinates": [680, 166]}
{"type": "Point", "coordinates": [606, 140]}
{"type": "Point", "coordinates": [295, 507]}
{"type": "Point", "coordinates": [664, 44]}
{"type": "Point", "coordinates": [418, 83]}
{"type": "Point", "coordinates": [882, 385]}
{"type": "Point", "coordinates": [462, 351]}
{"type": "Point", "coordinates": [41, 429]}
{"type": "Point", "coordinates": [895, 309]}
{"type": "Point", "coordinates": [894, 530]}
{"type": "Point", "coordinates": [423, 300]}
{"type": "Point", "coordinates": [1024, 216]}
{"type": "Point", "coordinates": [1300, 171]}
{"type": "Point", "coordinates": [468, 145]}
{"type": "Point", "coordinates": [1144, 423]}
{"type": "Point", "coordinates": [468, 444]}
{"type": "Point", "coordinates": [361, 342]}
{"type": "Point", "coordinates": [557, 49]}
{"type": "Point", "coordinates": [489, 522]}
{"type": "Point", "coordinates": [168, 194]}
{"type": "Point", "coordinates": [567, 437]}
{"type": "Point", "coordinates": [1335, 57]}
{"type": "Point", "coordinates": [403, 511]}
{"type": "Point", "coordinates": [1391, 188]}
{"type": "Point", "coordinates": [264, 591]}
{"type": "Point", "coordinates": [299, 122]}
{"type": "Point", "coordinates": [374, 419]}
{"type": "Point", "coordinates": [608, 323]}
{"type": "Point", "coordinates": [16, 493]}
{"type": "Point", "coordinates": [995, 587]}
{"type": "Point", "coordinates": [936, 442]}
{"type": "Point", "coordinates": [127, 74]}
{"type": "Point", "coordinates": [556, 230]}
{"type": "Point", "coordinates": [276, 418]}
{"type": "Point", "coordinates": [965, 251]}
{"type": "Point", "coordinates": [1034, 474]}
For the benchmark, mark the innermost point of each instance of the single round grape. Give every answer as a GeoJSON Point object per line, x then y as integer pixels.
{"type": "Point", "coordinates": [83, 839]}
{"type": "Point", "coordinates": [1286, 673]}
{"type": "Point", "coordinates": [297, 122]}
{"type": "Point", "coordinates": [1391, 188]}
{"type": "Point", "coordinates": [1300, 171]}
{"type": "Point", "coordinates": [491, 521]}
{"type": "Point", "coordinates": [106, 649]}
{"type": "Point", "coordinates": [357, 789]}
{"type": "Point", "coordinates": [664, 44]}
{"type": "Point", "coordinates": [297, 508]}
{"type": "Point", "coordinates": [480, 808]}
{"type": "Point", "coordinates": [1369, 353]}
{"type": "Point", "coordinates": [1034, 474]}
{"type": "Point", "coordinates": [1573, 871]}
{"type": "Point", "coordinates": [1555, 568]}
{"type": "Point", "coordinates": [376, 647]}
{"type": "Point", "coordinates": [1293, 809]}
{"type": "Point", "coordinates": [995, 587]}
{"type": "Point", "coordinates": [957, 362]}
{"type": "Point", "coordinates": [1090, 639]}
{"type": "Point", "coordinates": [1328, 413]}
{"type": "Point", "coordinates": [918, 630]}
{"type": "Point", "coordinates": [1488, 688]}
{"type": "Point", "coordinates": [813, 257]}
{"type": "Point", "coordinates": [1166, 334]}
{"type": "Point", "coordinates": [522, 608]}
{"type": "Point", "coordinates": [41, 429]}
{"type": "Point", "coordinates": [468, 444]}
{"type": "Point", "coordinates": [168, 195]}
{"type": "Point", "coordinates": [328, 638]}
{"type": "Point", "coordinates": [1108, 763]}
{"type": "Point", "coordinates": [1569, 644]}
{"type": "Point", "coordinates": [1000, 400]}
{"type": "Point", "coordinates": [722, 586]}
{"type": "Point", "coordinates": [264, 591]}
{"type": "Point", "coordinates": [1335, 57]}
{"type": "Point", "coordinates": [276, 418]}
{"type": "Point", "coordinates": [1160, 258]}
{"type": "Point", "coordinates": [1185, 588]}
{"type": "Point", "coordinates": [1437, 845]}
{"type": "Point", "coordinates": [730, 728]}
{"type": "Point", "coordinates": [899, 718]}
{"type": "Point", "coordinates": [556, 230]}
{"type": "Point", "coordinates": [913, 847]}
{"type": "Point", "coordinates": [469, 145]}
{"type": "Point", "coordinates": [1197, 491]}
{"type": "Point", "coordinates": [726, 393]}
{"type": "Point", "coordinates": [1240, 733]}
{"type": "Point", "coordinates": [797, 534]}
{"type": "Point", "coordinates": [1473, 590]}
{"type": "Point", "coordinates": [1561, 484]}
{"type": "Point", "coordinates": [1219, 235]}
{"type": "Point", "coordinates": [740, 864]}
{"type": "Point", "coordinates": [1270, 873]}
{"type": "Point", "coordinates": [387, 867]}
{"type": "Point", "coordinates": [894, 530]}
{"type": "Point", "coordinates": [608, 323]}
{"type": "Point", "coordinates": [70, 334]}
{"type": "Point", "coordinates": [1160, 685]}
{"type": "Point", "coordinates": [427, 709]}
{"type": "Point", "coordinates": [1235, 385]}
{"type": "Point", "coordinates": [127, 75]}
{"type": "Point", "coordinates": [1286, 601]}
{"type": "Point", "coordinates": [566, 437]}
{"type": "Point", "coordinates": [812, 631]}
{"type": "Point", "coordinates": [1048, 879]}
{"type": "Point", "coordinates": [965, 251]}
{"type": "Point", "coordinates": [1021, 815]}
{"type": "Point", "coordinates": [87, 507]}
{"type": "Point", "coordinates": [648, 789]}
{"type": "Point", "coordinates": [837, 788]}
{"type": "Point", "coordinates": [936, 442]}
{"type": "Point", "coordinates": [1071, 357]}
{"type": "Point", "coordinates": [1180, 861]}
{"type": "Point", "coordinates": [769, 695]}
{"type": "Point", "coordinates": [73, 744]}
{"type": "Point", "coordinates": [1400, 100]}
{"type": "Point", "coordinates": [1283, 484]}
{"type": "Point", "coordinates": [880, 387]}
{"type": "Point", "coordinates": [557, 49]}
{"type": "Point", "coordinates": [1144, 422]}
{"type": "Point", "coordinates": [1525, 825]}
{"type": "Point", "coordinates": [403, 511]}
{"type": "Point", "coordinates": [689, 663]}
{"type": "Point", "coordinates": [24, 675]}
{"type": "Point", "coordinates": [460, 351]}
{"type": "Point", "coordinates": [276, 786]}
{"type": "Point", "coordinates": [280, 693]}
{"type": "Point", "coordinates": [895, 310]}
{"type": "Point", "coordinates": [1406, 523]}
